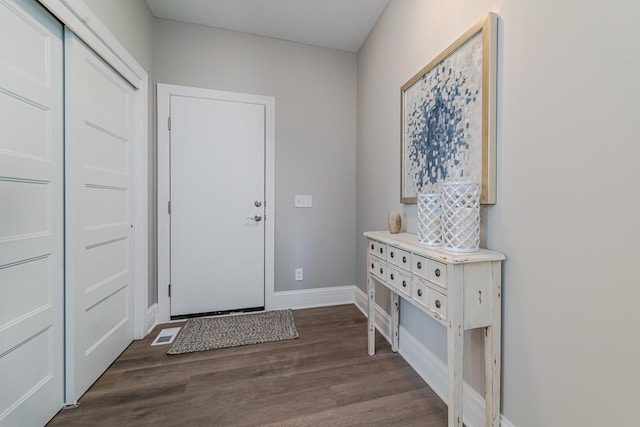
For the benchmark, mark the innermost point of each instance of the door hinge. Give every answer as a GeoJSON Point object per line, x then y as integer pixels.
{"type": "Point", "coordinates": [169, 207]}
{"type": "Point", "coordinates": [169, 123]}
{"type": "Point", "coordinates": [169, 290]}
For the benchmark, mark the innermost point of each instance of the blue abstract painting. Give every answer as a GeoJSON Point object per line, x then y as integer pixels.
{"type": "Point", "coordinates": [442, 123]}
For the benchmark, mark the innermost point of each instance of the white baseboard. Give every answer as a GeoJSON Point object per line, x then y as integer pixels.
{"type": "Point", "coordinates": [309, 298]}
{"type": "Point", "coordinates": [432, 370]}
{"type": "Point", "coordinates": [505, 422]}
{"type": "Point", "coordinates": [152, 317]}
{"type": "Point", "coordinates": [360, 300]}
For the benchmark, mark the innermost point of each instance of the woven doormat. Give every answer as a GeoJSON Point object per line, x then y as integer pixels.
{"type": "Point", "coordinates": [230, 331]}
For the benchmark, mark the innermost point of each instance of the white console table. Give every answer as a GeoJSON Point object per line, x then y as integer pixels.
{"type": "Point", "coordinates": [461, 291]}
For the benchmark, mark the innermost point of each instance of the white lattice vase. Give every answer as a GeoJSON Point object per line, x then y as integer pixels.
{"type": "Point", "coordinates": [461, 217]}
{"type": "Point", "coordinates": [430, 219]}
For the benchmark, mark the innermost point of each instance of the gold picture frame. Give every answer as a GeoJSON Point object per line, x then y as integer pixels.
{"type": "Point", "coordinates": [448, 117]}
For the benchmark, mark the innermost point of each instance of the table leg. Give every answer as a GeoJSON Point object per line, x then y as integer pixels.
{"type": "Point", "coordinates": [492, 375]}
{"type": "Point", "coordinates": [395, 321]}
{"type": "Point", "coordinates": [371, 321]}
{"type": "Point", "coordinates": [455, 351]}
{"type": "Point", "coordinates": [455, 344]}
{"type": "Point", "coordinates": [492, 353]}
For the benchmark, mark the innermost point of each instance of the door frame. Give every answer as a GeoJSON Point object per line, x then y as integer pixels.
{"type": "Point", "coordinates": [77, 16]}
{"type": "Point", "coordinates": [164, 93]}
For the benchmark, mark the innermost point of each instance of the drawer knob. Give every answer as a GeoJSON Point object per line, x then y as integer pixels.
{"type": "Point", "coordinates": [381, 270]}
{"type": "Point", "coordinates": [419, 265]}
{"type": "Point", "coordinates": [381, 250]}
{"type": "Point", "coordinates": [372, 246]}
{"type": "Point", "coordinates": [391, 254]}
{"type": "Point", "coordinates": [437, 272]}
{"type": "Point", "coordinates": [373, 266]}
{"type": "Point", "coordinates": [391, 276]}
{"type": "Point", "coordinates": [404, 259]}
{"type": "Point", "coordinates": [419, 292]}
{"type": "Point", "coordinates": [438, 304]}
{"type": "Point", "coordinates": [404, 283]}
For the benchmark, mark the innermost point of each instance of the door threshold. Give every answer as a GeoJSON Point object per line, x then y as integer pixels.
{"type": "Point", "coordinates": [217, 313]}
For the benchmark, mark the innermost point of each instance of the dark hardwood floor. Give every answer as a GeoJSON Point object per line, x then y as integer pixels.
{"type": "Point", "coordinates": [323, 378]}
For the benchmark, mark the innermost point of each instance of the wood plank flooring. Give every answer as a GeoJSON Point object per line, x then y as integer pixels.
{"type": "Point", "coordinates": [323, 378]}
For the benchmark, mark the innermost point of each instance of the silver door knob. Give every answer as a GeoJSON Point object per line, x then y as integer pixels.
{"type": "Point", "coordinates": [255, 218]}
{"type": "Point", "coordinates": [257, 203]}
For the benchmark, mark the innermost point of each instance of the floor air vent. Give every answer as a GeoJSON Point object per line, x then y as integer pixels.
{"type": "Point", "coordinates": [166, 336]}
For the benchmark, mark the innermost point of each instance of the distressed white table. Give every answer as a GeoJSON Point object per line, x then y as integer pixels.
{"type": "Point", "coordinates": [461, 291]}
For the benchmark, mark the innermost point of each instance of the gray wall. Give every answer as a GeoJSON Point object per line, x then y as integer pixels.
{"type": "Point", "coordinates": [568, 198]}
{"type": "Point", "coordinates": [131, 23]}
{"type": "Point", "coordinates": [315, 93]}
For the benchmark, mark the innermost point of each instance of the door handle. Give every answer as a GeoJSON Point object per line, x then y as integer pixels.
{"type": "Point", "coordinates": [256, 218]}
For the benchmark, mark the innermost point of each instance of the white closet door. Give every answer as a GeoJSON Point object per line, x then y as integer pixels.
{"type": "Point", "coordinates": [99, 215]}
{"type": "Point", "coordinates": [31, 215]}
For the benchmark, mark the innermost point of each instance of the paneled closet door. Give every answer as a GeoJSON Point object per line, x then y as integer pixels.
{"type": "Point", "coordinates": [31, 214]}
{"type": "Point", "coordinates": [99, 215]}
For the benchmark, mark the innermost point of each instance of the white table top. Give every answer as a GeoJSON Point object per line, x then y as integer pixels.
{"type": "Point", "coordinates": [410, 243]}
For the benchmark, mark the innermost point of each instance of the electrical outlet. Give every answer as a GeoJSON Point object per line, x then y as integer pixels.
{"type": "Point", "coordinates": [303, 201]}
{"type": "Point", "coordinates": [299, 274]}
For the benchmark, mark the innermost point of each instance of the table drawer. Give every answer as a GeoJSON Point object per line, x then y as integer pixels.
{"type": "Point", "coordinates": [426, 268]}
{"type": "Point", "coordinates": [377, 248]}
{"type": "Point", "coordinates": [400, 280]}
{"type": "Point", "coordinates": [438, 273]}
{"type": "Point", "coordinates": [429, 298]}
{"type": "Point", "coordinates": [438, 303]}
{"type": "Point", "coordinates": [377, 267]}
{"type": "Point", "coordinates": [420, 293]}
{"type": "Point", "coordinates": [420, 266]}
{"type": "Point", "coordinates": [399, 257]}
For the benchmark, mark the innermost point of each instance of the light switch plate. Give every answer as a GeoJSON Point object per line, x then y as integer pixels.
{"type": "Point", "coordinates": [303, 201]}
{"type": "Point", "coordinates": [299, 275]}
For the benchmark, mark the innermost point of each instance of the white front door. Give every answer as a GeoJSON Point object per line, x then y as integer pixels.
{"type": "Point", "coordinates": [31, 215]}
{"type": "Point", "coordinates": [99, 216]}
{"type": "Point", "coordinates": [217, 203]}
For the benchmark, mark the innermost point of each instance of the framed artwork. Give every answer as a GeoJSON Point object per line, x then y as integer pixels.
{"type": "Point", "coordinates": [448, 117]}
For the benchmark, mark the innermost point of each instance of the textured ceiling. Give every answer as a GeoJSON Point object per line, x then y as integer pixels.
{"type": "Point", "coordinates": [336, 24]}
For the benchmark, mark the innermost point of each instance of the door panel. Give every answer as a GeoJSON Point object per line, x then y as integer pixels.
{"type": "Point", "coordinates": [217, 175]}
{"type": "Point", "coordinates": [99, 216]}
{"type": "Point", "coordinates": [31, 214]}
